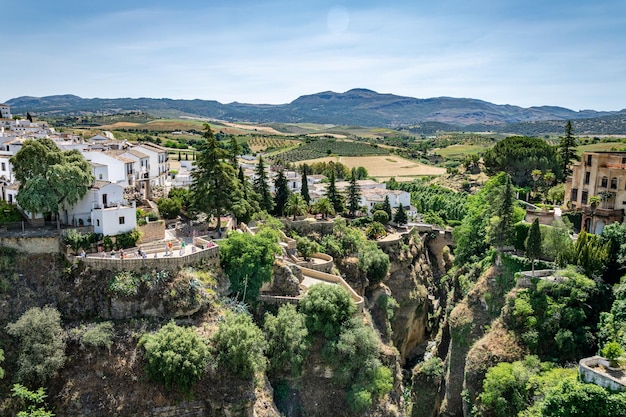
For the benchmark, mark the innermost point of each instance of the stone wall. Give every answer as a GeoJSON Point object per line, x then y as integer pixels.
{"type": "Point", "coordinates": [33, 245]}
{"type": "Point", "coordinates": [304, 227]}
{"type": "Point", "coordinates": [172, 263]}
{"type": "Point", "coordinates": [589, 375]}
{"type": "Point", "coordinates": [152, 231]}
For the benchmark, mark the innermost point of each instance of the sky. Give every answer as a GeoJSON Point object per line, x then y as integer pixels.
{"type": "Point", "coordinates": [569, 53]}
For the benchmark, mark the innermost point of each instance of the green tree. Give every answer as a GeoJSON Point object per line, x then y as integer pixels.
{"type": "Point", "coordinates": [169, 208]}
{"type": "Point", "coordinates": [49, 177]}
{"type": "Point", "coordinates": [304, 189]}
{"type": "Point", "coordinates": [519, 156]}
{"type": "Point", "coordinates": [354, 194]}
{"type": "Point", "coordinates": [567, 150]}
{"type": "Point", "coordinates": [501, 230]}
{"type": "Point", "coordinates": [375, 230]}
{"type": "Point", "coordinates": [327, 308]}
{"type": "Point", "coordinates": [32, 400]}
{"type": "Point", "coordinates": [333, 195]}
{"type": "Point", "coordinates": [361, 173]}
{"type": "Point", "coordinates": [235, 151]}
{"type": "Point", "coordinates": [176, 356]}
{"type": "Point", "coordinates": [324, 207]}
{"type": "Point", "coordinates": [41, 345]}
{"type": "Point", "coordinates": [612, 351]}
{"type": "Point", "coordinates": [400, 216]}
{"type": "Point", "coordinates": [296, 206]}
{"type": "Point", "coordinates": [557, 243]}
{"type": "Point", "coordinates": [374, 262]}
{"type": "Point", "coordinates": [591, 253]}
{"type": "Point", "coordinates": [247, 260]}
{"type": "Point", "coordinates": [240, 346]}
{"type": "Point", "coordinates": [287, 345]}
{"type": "Point", "coordinates": [533, 244]}
{"type": "Point", "coordinates": [262, 188]}
{"type": "Point", "coordinates": [281, 193]}
{"type": "Point", "coordinates": [381, 216]}
{"type": "Point", "coordinates": [387, 207]}
{"type": "Point", "coordinates": [307, 247]}
{"type": "Point", "coordinates": [214, 179]}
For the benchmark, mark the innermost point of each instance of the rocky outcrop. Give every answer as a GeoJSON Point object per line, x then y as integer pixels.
{"type": "Point", "coordinates": [286, 280]}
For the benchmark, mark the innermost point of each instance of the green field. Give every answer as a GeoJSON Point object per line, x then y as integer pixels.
{"type": "Point", "coordinates": [601, 146]}
{"type": "Point", "coordinates": [461, 151]}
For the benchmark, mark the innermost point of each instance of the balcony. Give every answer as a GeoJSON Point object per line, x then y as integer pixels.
{"type": "Point", "coordinates": [615, 165]}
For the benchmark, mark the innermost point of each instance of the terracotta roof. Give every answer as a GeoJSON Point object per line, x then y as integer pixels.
{"type": "Point", "coordinates": [99, 184]}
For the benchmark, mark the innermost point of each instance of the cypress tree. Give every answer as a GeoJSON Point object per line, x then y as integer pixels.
{"type": "Point", "coordinates": [282, 193]}
{"type": "Point", "coordinates": [400, 217]}
{"type": "Point", "coordinates": [387, 207]}
{"type": "Point", "coordinates": [304, 190]}
{"type": "Point", "coordinates": [533, 243]}
{"type": "Point", "coordinates": [567, 150]}
{"type": "Point", "coordinates": [333, 195]}
{"type": "Point", "coordinates": [354, 195]}
{"type": "Point", "coordinates": [262, 188]}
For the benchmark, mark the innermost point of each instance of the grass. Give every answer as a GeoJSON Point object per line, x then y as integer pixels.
{"type": "Point", "coordinates": [461, 151]}
{"type": "Point", "coordinates": [601, 146]}
{"type": "Point", "coordinates": [381, 166]}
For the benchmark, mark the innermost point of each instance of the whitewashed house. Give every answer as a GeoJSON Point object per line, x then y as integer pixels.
{"type": "Point", "coordinates": [159, 168]}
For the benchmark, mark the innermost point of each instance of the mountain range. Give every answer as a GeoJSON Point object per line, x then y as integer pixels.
{"type": "Point", "coordinates": [359, 107]}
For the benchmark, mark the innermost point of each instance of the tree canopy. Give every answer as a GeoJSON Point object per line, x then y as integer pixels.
{"type": "Point", "coordinates": [49, 177]}
{"type": "Point", "coordinates": [518, 156]}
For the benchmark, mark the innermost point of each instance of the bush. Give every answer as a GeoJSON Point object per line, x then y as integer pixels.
{"type": "Point", "coordinates": [42, 344]}
{"type": "Point", "coordinates": [127, 239]}
{"type": "Point", "coordinates": [124, 284]}
{"type": "Point", "coordinates": [307, 247]}
{"type": "Point", "coordinates": [240, 345]}
{"type": "Point", "coordinates": [169, 208]}
{"type": "Point", "coordinates": [286, 335]}
{"type": "Point", "coordinates": [375, 230]}
{"type": "Point", "coordinates": [327, 308]}
{"type": "Point", "coordinates": [99, 336]}
{"type": "Point", "coordinates": [176, 356]}
{"type": "Point", "coordinates": [374, 262]}
{"type": "Point", "coordinates": [381, 217]}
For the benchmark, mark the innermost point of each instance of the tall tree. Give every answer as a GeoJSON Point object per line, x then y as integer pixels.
{"type": "Point", "coordinates": [304, 189]}
{"type": "Point", "coordinates": [49, 177]}
{"type": "Point", "coordinates": [333, 195]}
{"type": "Point", "coordinates": [387, 207]}
{"type": "Point", "coordinates": [261, 187]}
{"type": "Point", "coordinates": [567, 150]}
{"type": "Point", "coordinates": [533, 244]}
{"type": "Point", "coordinates": [324, 207]}
{"type": "Point", "coordinates": [214, 179]}
{"type": "Point", "coordinates": [400, 216]}
{"type": "Point", "coordinates": [235, 151]}
{"type": "Point", "coordinates": [354, 194]}
{"type": "Point", "coordinates": [501, 230]}
{"type": "Point", "coordinates": [281, 193]}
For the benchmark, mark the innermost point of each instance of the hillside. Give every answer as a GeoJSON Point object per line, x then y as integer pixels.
{"type": "Point", "coordinates": [359, 107]}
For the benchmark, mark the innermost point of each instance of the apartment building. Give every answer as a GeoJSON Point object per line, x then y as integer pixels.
{"type": "Point", "coordinates": [597, 186]}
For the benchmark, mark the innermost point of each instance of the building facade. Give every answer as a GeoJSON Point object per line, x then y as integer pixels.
{"type": "Point", "coordinates": [597, 187]}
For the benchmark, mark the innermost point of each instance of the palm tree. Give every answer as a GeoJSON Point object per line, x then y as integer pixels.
{"type": "Point", "coordinates": [296, 205]}
{"type": "Point", "coordinates": [324, 207]}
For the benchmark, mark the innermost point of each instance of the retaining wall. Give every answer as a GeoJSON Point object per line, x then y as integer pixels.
{"type": "Point", "coordinates": [152, 231]}
{"type": "Point", "coordinates": [33, 245]}
{"type": "Point", "coordinates": [589, 375]}
{"type": "Point", "coordinates": [322, 276]}
{"type": "Point", "coordinates": [171, 263]}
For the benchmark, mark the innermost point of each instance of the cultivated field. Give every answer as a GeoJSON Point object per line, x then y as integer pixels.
{"type": "Point", "coordinates": [459, 152]}
{"type": "Point", "coordinates": [382, 167]}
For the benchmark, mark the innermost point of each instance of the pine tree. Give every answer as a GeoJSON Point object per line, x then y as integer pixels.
{"type": "Point", "coordinates": [333, 195]}
{"type": "Point", "coordinates": [533, 243]}
{"type": "Point", "coordinates": [567, 150]}
{"type": "Point", "coordinates": [501, 229]}
{"type": "Point", "coordinates": [304, 190]}
{"type": "Point", "coordinates": [214, 180]}
{"type": "Point", "coordinates": [400, 217]}
{"type": "Point", "coordinates": [387, 207]}
{"type": "Point", "coordinates": [262, 188]}
{"type": "Point", "coordinates": [282, 193]}
{"type": "Point", "coordinates": [243, 181]}
{"type": "Point", "coordinates": [354, 194]}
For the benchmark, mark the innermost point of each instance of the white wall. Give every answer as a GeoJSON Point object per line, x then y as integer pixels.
{"type": "Point", "coordinates": [107, 221]}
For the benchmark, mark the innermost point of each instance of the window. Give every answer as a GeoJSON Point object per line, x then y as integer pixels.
{"type": "Point", "coordinates": [98, 222]}
{"type": "Point", "coordinates": [4, 167]}
{"type": "Point", "coordinates": [574, 194]}
{"type": "Point", "coordinates": [121, 219]}
{"type": "Point", "coordinates": [100, 176]}
{"type": "Point", "coordinates": [588, 159]}
{"type": "Point", "coordinates": [583, 198]}
{"type": "Point", "coordinates": [623, 160]}
{"type": "Point", "coordinates": [587, 176]}
{"type": "Point", "coordinates": [614, 183]}
{"type": "Point", "coordinates": [604, 182]}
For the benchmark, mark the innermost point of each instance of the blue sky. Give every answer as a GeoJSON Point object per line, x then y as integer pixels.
{"type": "Point", "coordinates": [527, 53]}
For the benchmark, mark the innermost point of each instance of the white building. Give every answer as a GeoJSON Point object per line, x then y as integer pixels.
{"type": "Point", "coordinates": [159, 168]}
{"type": "Point", "coordinates": [5, 112]}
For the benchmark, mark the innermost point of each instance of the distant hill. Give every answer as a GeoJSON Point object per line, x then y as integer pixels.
{"type": "Point", "coordinates": [358, 107]}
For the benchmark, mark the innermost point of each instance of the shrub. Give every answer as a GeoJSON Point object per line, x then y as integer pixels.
{"type": "Point", "coordinates": [127, 239]}
{"type": "Point", "coordinates": [32, 400]}
{"type": "Point", "coordinates": [176, 356]}
{"type": "Point", "coordinates": [307, 247]}
{"type": "Point", "coordinates": [375, 230]}
{"type": "Point", "coordinates": [374, 262]}
{"type": "Point", "coordinates": [381, 217]}
{"type": "Point", "coordinates": [99, 336]}
{"type": "Point", "coordinates": [124, 284]}
{"type": "Point", "coordinates": [240, 346]}
{"type": "Point", "coordinates": [169, 208]}
{"type": "Point", "coordinates": [327, 308]}
{"type": "Point", "coordinates": [286, 335]}
{"type": "Point", "coordinates": [42, 344]}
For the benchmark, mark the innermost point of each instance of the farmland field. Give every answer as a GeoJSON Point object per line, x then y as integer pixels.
{"type": "Point", "coordinates": [382, 167]}
{"type": "Point", "coordinates": [460, 151]}
{"type": "Point", "coordinates": [318, 148]}
{"type": "Point", "coordinates": [601, 147]}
